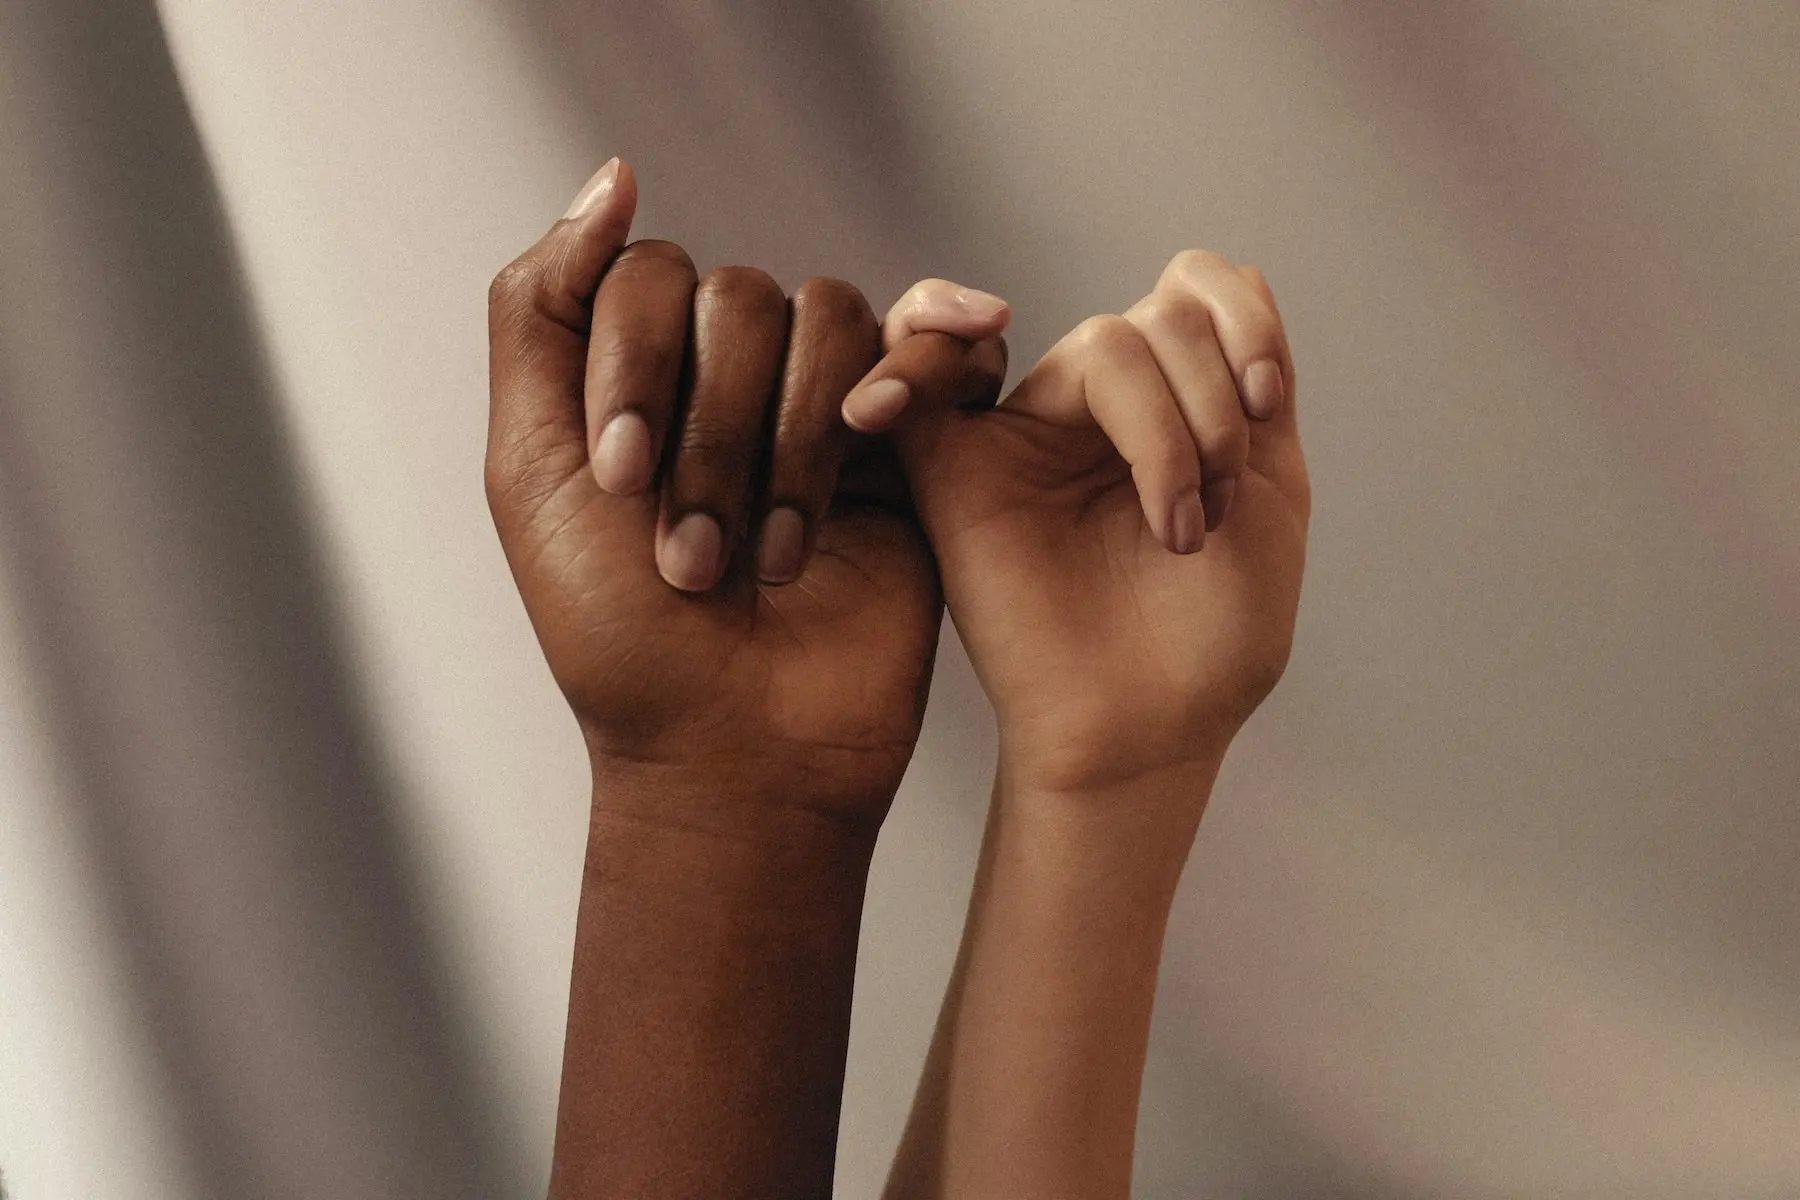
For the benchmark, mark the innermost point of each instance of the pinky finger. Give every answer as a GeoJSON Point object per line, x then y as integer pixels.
{"type": "Point", "coordinates": [942, 368]}
{"type": "Point", "coordinates": [1260, 282]}
{"type": "Point", "coordinates": [929, 306]}
{"type": "Point", "coordinates": [939, 306]}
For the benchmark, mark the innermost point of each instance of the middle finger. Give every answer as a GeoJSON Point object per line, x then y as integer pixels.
{"type": "Point", "coordinates": [740, 333]}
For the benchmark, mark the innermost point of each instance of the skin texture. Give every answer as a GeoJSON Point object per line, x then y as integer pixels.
{"type": "Point", "coordinates": [747, 734]}
{"type": "Point", "coordinates": [1106, 654]}
{"type": "Point", "coordinates": [1123, 645]}
{"type": "Point", "coordinates": [738, 597]}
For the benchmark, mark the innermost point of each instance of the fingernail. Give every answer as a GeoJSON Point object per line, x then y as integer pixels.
{"type": "Point", "coordinates": [622, 455]}
{"type": "Point", "coordinates": [1215, 497]}
{"type": "Point", "coordinates": [778, 554]}
{"type": "Point", "coordinates": [980, 305]}
{"type": "Point", "coordinates": [1187, 523]}
{"type": "Point", "coordinates": [689, 556]}
{"type": "Point", "coordinates": [875, 407]}
{"type": "Point", "coordinates": [594, 190]}
{"type": "Point", "coordinates": [1263, 389]}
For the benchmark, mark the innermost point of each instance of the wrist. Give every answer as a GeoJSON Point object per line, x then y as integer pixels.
{"type": "Point", "coordinates": [724, 893]}
{"type": "Point", "coordinates": [783, 807]}
{"type": "Point", "coordinates": [1101, 747]}
{"type": "Point", "coordinates": [1130, 831]}
{"type": "Point", "coordinates": [710, 996]}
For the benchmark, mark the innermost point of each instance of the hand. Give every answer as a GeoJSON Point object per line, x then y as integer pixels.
{"type": "Point", "coordinates": [734, 595]}
{"type": "Point", "coordinates": [1121, 541]}
{"type": "Point", "coordinates": [719, 573]}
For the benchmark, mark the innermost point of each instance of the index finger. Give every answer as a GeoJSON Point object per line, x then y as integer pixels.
{"type": "Point", "coordinates": [539, 309]}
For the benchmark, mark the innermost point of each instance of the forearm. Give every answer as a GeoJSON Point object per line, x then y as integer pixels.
{"type": "Point", "coordinates": [710, 1000]}
{"type": "Point", "coordinates": [1031, 1086]}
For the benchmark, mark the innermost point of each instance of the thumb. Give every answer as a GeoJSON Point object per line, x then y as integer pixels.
{"type": "Point", "coordinates": [539, 310]}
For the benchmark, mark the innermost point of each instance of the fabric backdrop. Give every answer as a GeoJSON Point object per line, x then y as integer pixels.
{"type": "Point", "coordinates": [1498, 896]}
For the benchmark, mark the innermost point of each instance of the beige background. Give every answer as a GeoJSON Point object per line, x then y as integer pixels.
{"type": "Point", "coordinates": [1499, 896]}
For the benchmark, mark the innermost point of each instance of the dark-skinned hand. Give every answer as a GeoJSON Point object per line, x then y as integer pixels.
{"type": "Point", "coordinates": [720, 572]}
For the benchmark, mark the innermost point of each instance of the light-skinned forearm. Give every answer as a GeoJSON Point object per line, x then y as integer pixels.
{"type": "Point", "coordinates": [710, 1001]}
{"type": "Point", "coordinates": [1031, 1086]}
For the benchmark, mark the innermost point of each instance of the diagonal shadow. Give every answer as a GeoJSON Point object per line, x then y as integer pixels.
{"type": "Point", "coordinates": [240, 816]}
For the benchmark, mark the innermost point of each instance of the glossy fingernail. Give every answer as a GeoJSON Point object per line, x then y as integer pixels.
{"type": "Point", "coordinates": [1263, 389]}
{"type": "Point", "coordinates": [779, 553]}
{"type": "Point", "coordinates": [873, 408]}
{"type": "Point", "coordinates": [1215, 497]}
{"type": "Point", "coordinates": [983, 306]}
{"type": "Point", "coordinates": [594, 190]}
{"type": "Point", "coordinates": [622, 455]}
{"type": "Point", "coordinates": [1187, 523]}
{"type": "Point", "coordinates": [689, 556]}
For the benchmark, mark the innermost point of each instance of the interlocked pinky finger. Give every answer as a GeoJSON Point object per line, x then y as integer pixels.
{"type": "Point", "coordinates": [929, 306]}
{"type": "Point", "coordinates": [939, 306]}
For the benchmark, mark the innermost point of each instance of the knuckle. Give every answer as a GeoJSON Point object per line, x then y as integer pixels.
{"type": "Point", "coordinates": [915, 308]}
{"type": "Point", "coordinates": [654, 251]}
{"type": "Point", "coordinates": [740, 287]}
{"type": "Point", "coordinates": [513, 286]}
{"type": "Point", "coordinates": [835, 302]}
{"type": "Point", "coordinates": [511, 481]}
{"type": "Point", "coordinates": [924, 305]}
{"type": "Point", "coordinates": [1196, 260]}
{"type": "Point", "coordinates": [1178, 314]}
{"type": "Point", "coordinates": [1265, 670]}
{"type": "Point", "coordinates": [1224, 441]}
{"type": "Point", "coordinates": [831, 294]}
{"type": "Point", "coordinates": [927, 296]}
{"type": "Point", "coordinates": [716, 445]}
{"type": "Point", "coordinates": [975, 373]}
{"type": "Point", "coordinates": [988, 358]}
{"type": "Point", "coordinates": [504, 481]}
{"type": "Point", "coordinates": [1259, 281]}
{"type": "Point", "coordinates": [1107, 336]}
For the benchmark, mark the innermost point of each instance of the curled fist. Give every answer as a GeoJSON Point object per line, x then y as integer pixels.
{"type": "Point", "coordinates": [1121, 540]}
{"type": "Point", "coordinates": [723, 576]}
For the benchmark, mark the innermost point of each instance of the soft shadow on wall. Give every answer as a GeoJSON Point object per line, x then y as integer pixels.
{"type": "Point", "coordinates": [238, 810]}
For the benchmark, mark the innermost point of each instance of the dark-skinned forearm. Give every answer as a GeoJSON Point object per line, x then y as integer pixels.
{"type": "Point", "coordinates": [709, 1011]}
